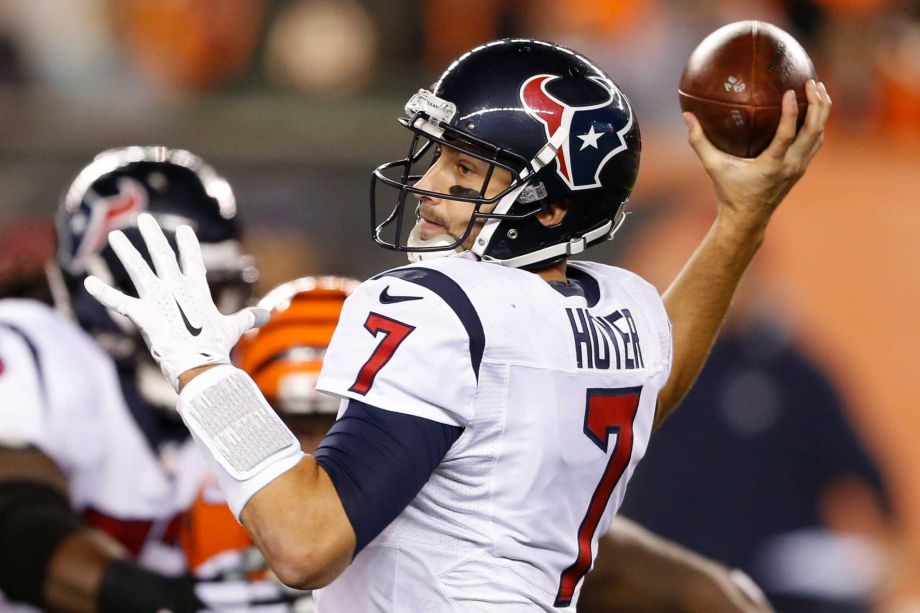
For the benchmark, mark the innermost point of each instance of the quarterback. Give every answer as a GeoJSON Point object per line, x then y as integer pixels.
{"type": "Point", "coordinates": [494, 403]}
{"type": "Point", "coordinates": [284, 357]}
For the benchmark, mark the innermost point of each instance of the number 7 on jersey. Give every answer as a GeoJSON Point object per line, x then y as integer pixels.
{"type": "Point", "coordinates": [394, 333]}
{"type": "Point", "coordinates": [607, 411]}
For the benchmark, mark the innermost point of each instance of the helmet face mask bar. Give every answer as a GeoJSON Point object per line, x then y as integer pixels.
{"type": "Point", "coordinates": [546, 115]}
{"type": "Point", "coordinates": [431, 134]}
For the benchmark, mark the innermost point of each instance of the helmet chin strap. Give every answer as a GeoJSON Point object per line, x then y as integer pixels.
{"type": "Point", "coordinates": [488, 229]}
{"type": "Point", "coordinates": [543, 157]}
{"type": "Point", "coordinates": [572, 247]}
{"type": "Point", "coordinates": [441, 240]}
{"type": "Point", "coordinates": [445, 240]}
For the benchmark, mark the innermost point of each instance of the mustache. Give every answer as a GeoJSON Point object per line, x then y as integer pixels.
{"type": "Point", "coordinates": [429, 215]}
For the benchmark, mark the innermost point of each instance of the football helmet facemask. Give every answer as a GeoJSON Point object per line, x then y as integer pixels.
{"type": "Point", "coordinates": [176, 187]}
{"type": "Point", "coordinates": [546, 114]}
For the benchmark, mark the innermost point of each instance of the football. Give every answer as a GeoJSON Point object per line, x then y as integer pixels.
{"type": "Point", "coordinates": [734, 83]}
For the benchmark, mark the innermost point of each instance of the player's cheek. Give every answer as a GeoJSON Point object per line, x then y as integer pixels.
{"type": "Point", "coordinates": [477, 226]}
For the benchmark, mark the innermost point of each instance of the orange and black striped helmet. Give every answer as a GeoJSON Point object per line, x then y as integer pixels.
{"type": "Point", "coordinates": [285, 355]}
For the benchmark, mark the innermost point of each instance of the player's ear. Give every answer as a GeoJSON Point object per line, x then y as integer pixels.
{"type": "Point", "coordinates": [553, 214]}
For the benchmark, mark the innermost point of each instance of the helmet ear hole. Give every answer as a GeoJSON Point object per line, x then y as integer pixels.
{"type": "Point", "coordinates": [553, 213]}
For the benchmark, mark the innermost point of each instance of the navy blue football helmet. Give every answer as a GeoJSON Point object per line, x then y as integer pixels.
{"type": "Point", "coordinates": [176, 187]}
{"type": "Point", "coordinates": [549, 116]}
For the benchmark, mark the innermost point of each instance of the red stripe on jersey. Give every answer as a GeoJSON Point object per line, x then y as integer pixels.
{"type": "Point", "coordinates": [131, 533]}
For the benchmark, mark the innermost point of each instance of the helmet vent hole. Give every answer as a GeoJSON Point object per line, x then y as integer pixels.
{"type": "Point", "coordinates": [512, 234]}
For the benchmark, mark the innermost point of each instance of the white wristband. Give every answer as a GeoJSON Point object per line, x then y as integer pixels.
{"type": "Point", "coordinates": [245, 441]}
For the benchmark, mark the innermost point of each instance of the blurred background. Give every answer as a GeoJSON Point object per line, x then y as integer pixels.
{"type": "Point", "coordinates": [796, 456]}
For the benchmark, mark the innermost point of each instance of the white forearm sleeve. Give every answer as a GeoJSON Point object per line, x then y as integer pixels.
{"type": "Point", "coordinates": [245, 442]}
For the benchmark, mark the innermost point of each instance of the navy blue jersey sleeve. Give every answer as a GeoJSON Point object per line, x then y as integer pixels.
{"type": "Point", "coordinates": [379, 460]}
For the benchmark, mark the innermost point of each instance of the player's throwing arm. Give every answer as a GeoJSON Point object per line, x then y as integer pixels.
{"type": "Point", "coordinates": [748, 191]}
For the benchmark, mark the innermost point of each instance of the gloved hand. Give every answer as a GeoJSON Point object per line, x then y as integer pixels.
{"type": "Point", "coordinates": [174, 309]}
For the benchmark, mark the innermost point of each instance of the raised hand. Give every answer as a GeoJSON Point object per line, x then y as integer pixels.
{"type": "Point", "coordinates": [750, 189]}
{"type": "Point", "coordinates": [174, 309]}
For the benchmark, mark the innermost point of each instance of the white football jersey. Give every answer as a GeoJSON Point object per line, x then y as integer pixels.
{"type": "Point", "coordinates": [556, 391]}
{"type": "Point", "coordinates": [61, 394]}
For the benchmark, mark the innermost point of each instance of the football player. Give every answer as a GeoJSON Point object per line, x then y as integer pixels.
{"type": "Point", "coordinates": [284, 358]}
{"type": "Point", "coordinates": [95, 466]}
{"type": "Point", "coordinates": [495, 402]}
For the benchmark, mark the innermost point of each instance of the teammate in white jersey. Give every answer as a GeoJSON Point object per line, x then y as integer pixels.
{"type": "Point", "coordinates": [494, 403]}
{"type": "Point", "coordinates": [95, 467]}
{"type": "Point", "coordinates": [284, 358]}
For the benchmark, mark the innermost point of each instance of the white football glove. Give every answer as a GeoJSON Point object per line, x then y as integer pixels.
{"type": "Point", "coordinates": [174, 309]}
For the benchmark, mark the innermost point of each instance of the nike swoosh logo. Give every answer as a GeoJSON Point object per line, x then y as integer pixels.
{"type": "Point", "coordinates": [386, 298]}
{"type": "Point", "coordinates": [188, 325]}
